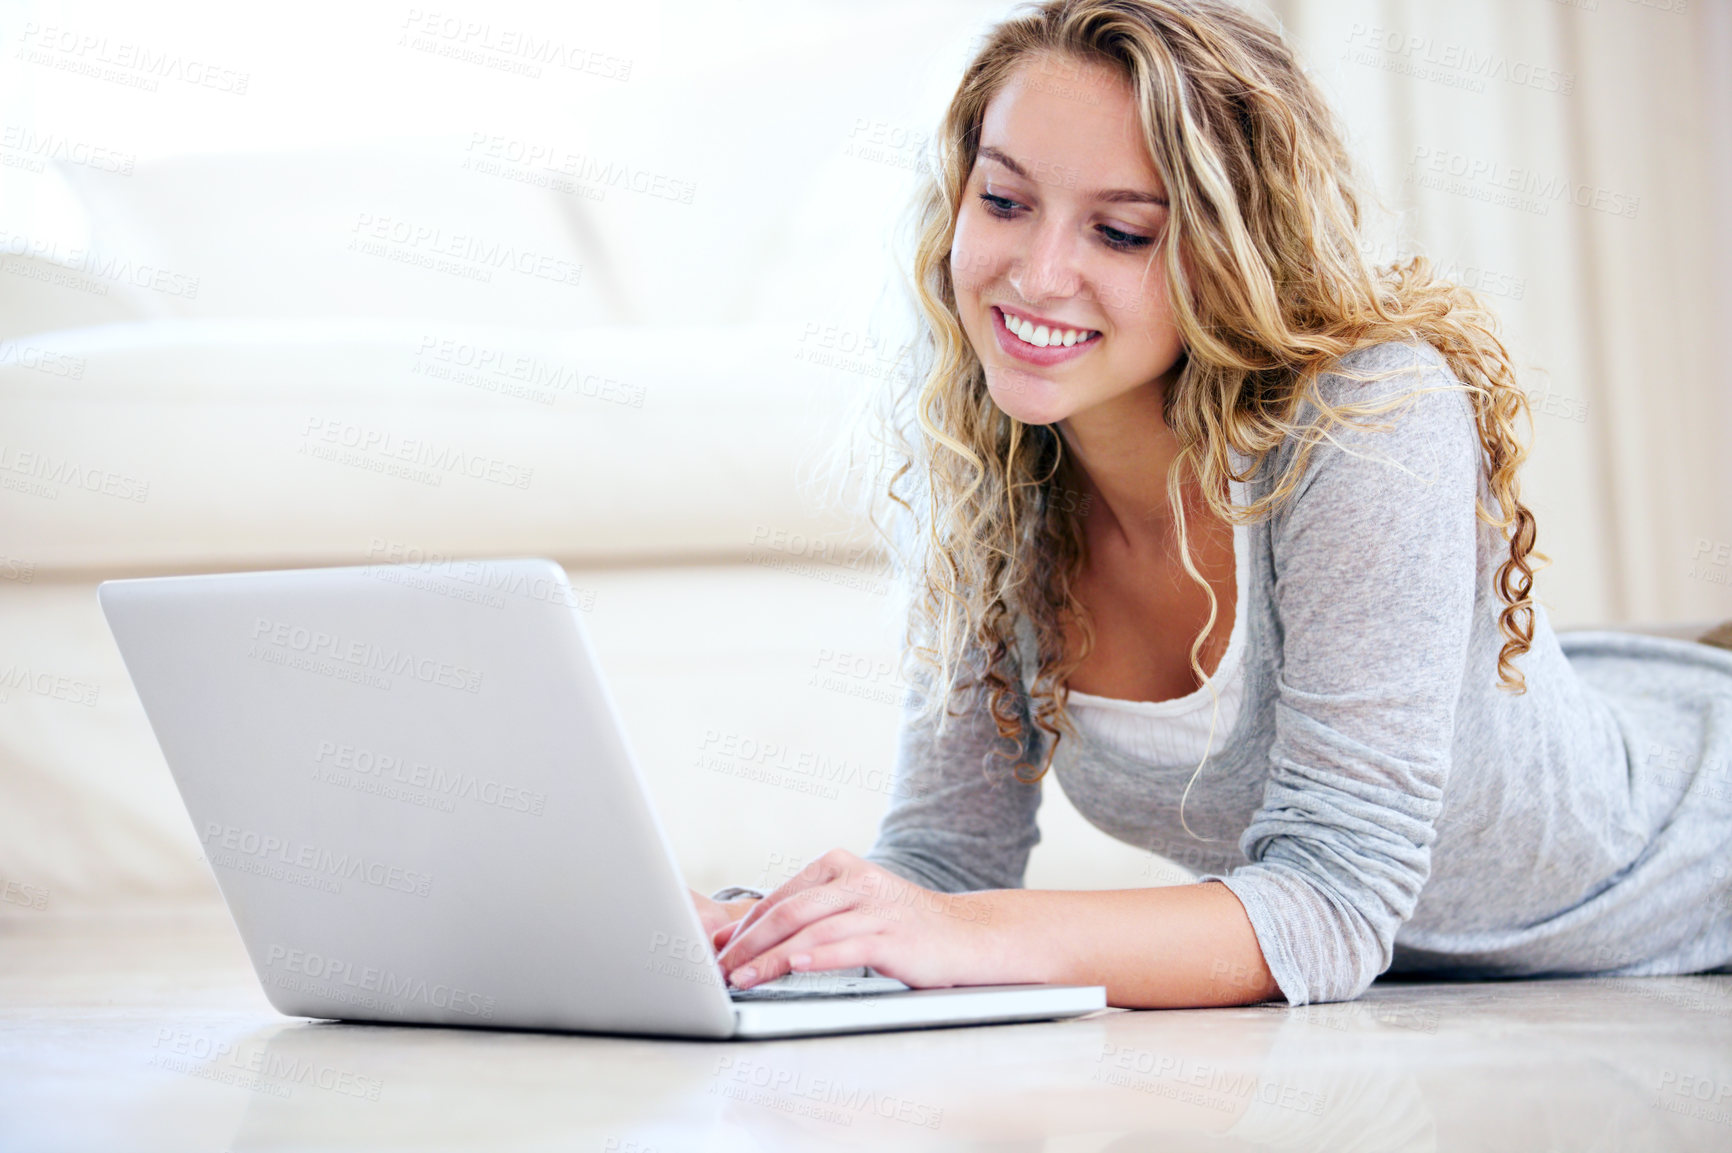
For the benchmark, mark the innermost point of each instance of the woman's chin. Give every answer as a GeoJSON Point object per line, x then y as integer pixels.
{"type": "Point", "coordinates": [1027, 397]}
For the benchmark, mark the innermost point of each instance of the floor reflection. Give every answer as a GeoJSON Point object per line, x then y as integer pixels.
{"type": "Point", "coordinates": [1410, 1071]}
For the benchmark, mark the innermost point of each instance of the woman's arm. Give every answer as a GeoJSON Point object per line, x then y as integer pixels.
{"type": "Point", "coordinates": [1183, 945]}
{"type": "Point", "coordinates": [1376, 567]}
{"type": "Point", "coordinates": [1173, 947]}
{"type": "Point", "coordinates": [959, 818]}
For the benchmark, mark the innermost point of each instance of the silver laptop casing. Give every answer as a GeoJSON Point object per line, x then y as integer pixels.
{"type": "Point", "coordinates": [418, 801]}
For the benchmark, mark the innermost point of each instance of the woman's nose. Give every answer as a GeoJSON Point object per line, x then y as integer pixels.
{"type": "Point", "coordinates": [1047, 268]}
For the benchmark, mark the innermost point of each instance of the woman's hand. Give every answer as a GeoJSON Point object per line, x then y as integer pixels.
{"type": "Point", "coordinates": [841, 912]}
{"type": "Point", "coordinates": [718, 915]}
{"type": "Point", "coordinates": [1174, 946]}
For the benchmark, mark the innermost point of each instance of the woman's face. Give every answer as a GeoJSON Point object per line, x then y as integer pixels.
{"type": "Point", "coordinates": [1060, 226]}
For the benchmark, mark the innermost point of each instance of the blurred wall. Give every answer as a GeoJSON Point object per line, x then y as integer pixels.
{"type": "Point", "coordinates": [1570, 158]}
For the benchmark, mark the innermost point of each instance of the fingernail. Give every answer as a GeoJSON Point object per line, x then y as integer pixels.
{"type": "Point", "coordinates": [799, 960]}
{"type": "Point", "coordinates": [744, 977]}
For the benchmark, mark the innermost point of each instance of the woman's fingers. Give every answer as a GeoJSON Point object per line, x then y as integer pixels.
{"type": "Point", "coordinates": [845, 954]}
{"type": "Point", "coordinates": [801, 950]}
{"type": "Point", "coordinates": [781, 920]}
{"type": "Point", "coordinates": [720, 938]}
{"type": "Point", "coordinates": [821, 871]}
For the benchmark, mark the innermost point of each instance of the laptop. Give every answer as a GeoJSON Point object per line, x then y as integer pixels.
{"type": "Point", "coordinates": [414, 790]}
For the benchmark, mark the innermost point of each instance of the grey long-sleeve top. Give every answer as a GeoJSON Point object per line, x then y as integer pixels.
{"type": "Point", "coordinates": [1378, 802]}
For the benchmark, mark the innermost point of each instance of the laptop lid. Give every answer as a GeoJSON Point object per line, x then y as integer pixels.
{"type": "Point", "coordinates": [417, 798]}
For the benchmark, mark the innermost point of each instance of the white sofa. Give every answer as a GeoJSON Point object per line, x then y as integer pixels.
{"type": "Point", "coordinates": [670, 474]}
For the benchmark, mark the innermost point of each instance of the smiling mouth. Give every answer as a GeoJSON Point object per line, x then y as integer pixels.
{"type": "Point", "coordinates": [1042, 336]}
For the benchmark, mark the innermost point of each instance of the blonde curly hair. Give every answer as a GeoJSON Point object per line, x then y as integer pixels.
{"type": "Point", "coordinates": [1270, 289]}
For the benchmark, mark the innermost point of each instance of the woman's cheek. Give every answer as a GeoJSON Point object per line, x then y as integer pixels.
{"type": "Point", "coordinates": [968, 307]}
{"type": "Point", "coordinates": [1128, 302]}
{"type": "Point", "coordinates": [973, 258]}
{"type": "Point", "coordinates": [968, 266]}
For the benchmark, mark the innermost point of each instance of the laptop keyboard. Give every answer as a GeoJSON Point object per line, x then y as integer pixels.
{"type": "Point", "coordinates": [797, 985]}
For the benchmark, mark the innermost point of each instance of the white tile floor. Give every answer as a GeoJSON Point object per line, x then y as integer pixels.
{"type": "Point", "coordinates": [148, 1032]}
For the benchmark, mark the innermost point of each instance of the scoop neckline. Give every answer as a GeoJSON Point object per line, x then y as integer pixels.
{"type": "Point", "coordinates": [1230, 660]}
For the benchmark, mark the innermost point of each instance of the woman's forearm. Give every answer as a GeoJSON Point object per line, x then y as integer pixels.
{"type": "Point", "coordinates": [1179, 946]}
{"type": "Point", "coordinates": [1171, 947]}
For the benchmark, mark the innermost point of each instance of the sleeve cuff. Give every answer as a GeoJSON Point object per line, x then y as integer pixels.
{"type": "Point", "coordinates": [1282, 965]}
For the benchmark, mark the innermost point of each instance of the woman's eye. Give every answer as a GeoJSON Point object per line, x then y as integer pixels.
{"type": "Point", "coordinates": [1005, 208]}
{"type": "Point", "coordinates": [1124, 240]}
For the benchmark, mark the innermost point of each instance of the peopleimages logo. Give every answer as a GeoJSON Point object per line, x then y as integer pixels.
{"type": "Point", "coordinates": [100, 266]}
{"type": "Point", "coordinates": [418, 458]}
{"type": "Point", "coordinates": [44, 360]}
{"type": "Point", "coordinates": [47, 475]}
{"type": "Point", "coordinates": [440, 782]}
{"type": "Point", "coordinates": [36, 148]}
{"type": "Point", "coordinates": [122, 61]}
{"type": "Point", "coordinates": [412, 242]}
{"type": "Point", "coordinates": [505, 48]}
{"type": "Point", "coordinates": [799, 1091]}
{"type": "Point", "coordinates": [1526, 189]}
{"type": "Point", "coordinates": [481, 575]}
{"type": "Point", "coordinates": [251, 1066]}
{"type": "Point", "coordinates": [365, 984]}
{"type": "Point", "coordinates": [248, 851]}
{"type": "Point", "coordinates": [363, 655]}
{"type": "Point", "coordinates": [19, 893]}
{"type": "Point", "coordinates": [498, 369]}
{"type": "Point", "coordinates": [43, 683]}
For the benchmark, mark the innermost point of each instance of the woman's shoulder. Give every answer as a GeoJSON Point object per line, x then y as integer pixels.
{"type": "Point", "coordinates": [1386, 369]}
{"type": "Point", "coordinates": [1397, 403]}
{"type": "Point", "coordinates": [1394, 391]}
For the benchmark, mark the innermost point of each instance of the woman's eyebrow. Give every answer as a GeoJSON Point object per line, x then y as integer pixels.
{"type": "Point", "coordinates": [1110, 196]}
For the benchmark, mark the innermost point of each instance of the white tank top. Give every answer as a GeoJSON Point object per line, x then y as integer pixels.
{"type": "Point", "coordinates": [1176, 731]}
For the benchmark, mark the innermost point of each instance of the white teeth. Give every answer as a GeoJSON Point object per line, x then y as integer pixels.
{"type": "Point", "coordinates": [1040, 336]}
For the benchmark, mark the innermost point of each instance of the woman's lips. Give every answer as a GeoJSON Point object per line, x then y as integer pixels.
{"type": "Point", "coordinates": [1014, 345]}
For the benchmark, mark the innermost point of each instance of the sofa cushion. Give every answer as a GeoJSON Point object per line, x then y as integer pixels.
{"type": "Point", "coordinates": [226, 443]}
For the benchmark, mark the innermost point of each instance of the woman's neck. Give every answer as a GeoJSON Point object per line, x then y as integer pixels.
{"type": "Point", "coordinates": [1123, 451]}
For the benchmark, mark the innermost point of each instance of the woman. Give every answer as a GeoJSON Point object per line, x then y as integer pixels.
{"type": "Point", "coordinates": [1222, 527]}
